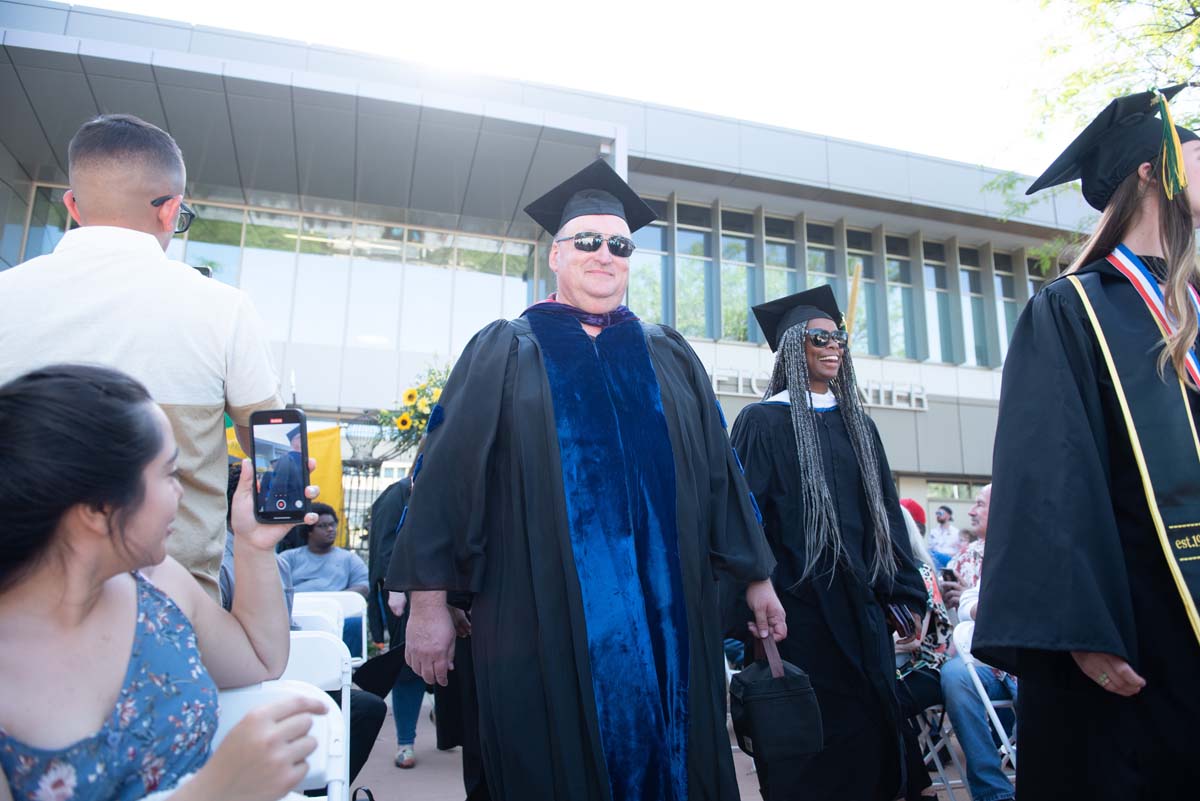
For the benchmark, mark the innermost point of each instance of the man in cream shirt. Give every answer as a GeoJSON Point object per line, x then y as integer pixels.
{"type": "Point", "coordinates": [109, 295]}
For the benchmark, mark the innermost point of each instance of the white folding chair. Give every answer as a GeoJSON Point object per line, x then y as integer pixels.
{"type": "Point", "coordinates": [322, 660]}
{"type": "Point", "coordinates": [352, 605]}
{"type": "Point", "coordinates": [328, 764]}
{"type": "Point", "coordinates": [962, 641]}
{"type": "Point", "coordinates": [312, 613]}
{"type": "Point", "coordinates": [935, 735]}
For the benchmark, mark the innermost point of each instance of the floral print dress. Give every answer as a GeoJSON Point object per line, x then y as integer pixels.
{"type": "Point", "coordinates": [160, 729]}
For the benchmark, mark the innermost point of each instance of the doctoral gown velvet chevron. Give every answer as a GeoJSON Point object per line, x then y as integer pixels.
{"type": "Point", "coordinates": [585, 492]}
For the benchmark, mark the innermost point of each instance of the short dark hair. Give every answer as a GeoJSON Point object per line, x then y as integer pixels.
{"type": "Point", "coordinates": [319, 509]}
{"type": "Point", "coordinates": [73, 434]}
{"type": "Point", "coordinates": [124, 137]}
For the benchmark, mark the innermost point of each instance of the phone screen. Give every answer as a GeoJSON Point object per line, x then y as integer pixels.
{"type": "Point", "coordinates": [280, 465]}
{"type": "Point", "coordinates": [949, 575]}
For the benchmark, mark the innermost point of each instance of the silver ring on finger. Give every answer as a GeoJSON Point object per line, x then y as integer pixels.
{"type": "Point", "coordinates": [1103, 679]}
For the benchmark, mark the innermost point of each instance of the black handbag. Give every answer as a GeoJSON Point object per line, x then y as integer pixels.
{"type": "Point", "coordinates": [774, 708]}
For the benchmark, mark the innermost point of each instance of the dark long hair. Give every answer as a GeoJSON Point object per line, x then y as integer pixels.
{"type": "Point", "coordinates": [69, 435]}
{"type": "Point", "coordinates": [1177, 233]}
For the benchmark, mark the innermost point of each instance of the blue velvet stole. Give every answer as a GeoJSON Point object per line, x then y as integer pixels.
{"type": "Point", "coordinates": [618, 472]}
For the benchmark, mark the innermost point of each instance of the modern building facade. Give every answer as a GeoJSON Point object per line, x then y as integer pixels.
{"type": "Point", "coordinates": [372, 209]}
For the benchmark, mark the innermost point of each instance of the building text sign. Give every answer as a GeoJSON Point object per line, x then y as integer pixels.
{"type": "Point", "coordinates": [879, 394]}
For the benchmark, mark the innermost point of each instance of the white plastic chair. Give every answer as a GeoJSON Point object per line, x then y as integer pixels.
{"type": "Point", "coordinates": [322, 660]}
{"type": "Point", "coordinates": [351, 605]}
{"type": "Point", "coordinates": [329, 763]}
{"type": "Point", "coordinates": [313, 613]}
{"type": "Point", "coordinates": [962, 641]}
{"type": "Point", "coordinates": [935, 735]}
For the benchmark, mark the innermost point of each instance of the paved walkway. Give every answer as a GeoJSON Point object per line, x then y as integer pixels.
{"type": "Point", "coordinates": [438, 774]}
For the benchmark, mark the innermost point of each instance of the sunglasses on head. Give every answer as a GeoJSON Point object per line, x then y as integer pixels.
{"type": "Point", "coordinates": [589, 242]}
{"type": "Point", "coordinates": [820, 338]}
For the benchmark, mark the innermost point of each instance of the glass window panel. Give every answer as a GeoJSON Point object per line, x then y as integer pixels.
{"type": "Point", "coordinates": [780, 255]}
{"type": "Point", "coordinates": [780, 228]}
{"type": "Point", "coordinates": [935, 276]}
{"type": "Point", "coordinates": [47, 223]}
{"type": "Point", "coordinates": [215, 241]}
{"type": "Point", "coordinates": [865, 338]}
{"type": "Point", "coordinates": [899, 271]}
{"type": "Point", "coordinates": [737, 221]}
{"type": "Point", "coordinates": [1006, 286]}
{"type": "Point", "coordinates": [819, 234]}
{"type": "Point", "coordinates": [853, 261]}
{"type": "Point", "coordinates": [691, 280]}
{"type": "Point", "coordinates": [735, 306]}
{"type": "Point", "coordinates": [780, 282]}
{"type": "Point", "coordinates": [934, 251]}
{"type": "Point", "coordinates": [699, 216]}
{"type": "Point", "coordinates": [693, 243]}
{"type": "Point", "coordinates": [659, 207]}
{"type": "Point", "coordinates": [970, 282]}
{"type": "Point", "coordinates": [646, 285]}
{"type": "Point", "coordinates": [1003, 262]}
{"type": "Point", "coordinates": [937, 324]}
{"type": "Point", "coordinates": [820, 260]}
{"type": "Point", "coordinates": [1033, 285]}
{"type": "Point", "coordinates": [651, 237]}
{"type": "Point", "coordinates": [974, 332]}
{"type": "Point", "coordinates": [322, 282]}
{"type": "Point", "coordinates": [819, 279]}
{"type": "Point", "coordinates": [902, 334]}
{"type": "Point", "coordinates": [430, 247]}
{"type": "Point", "coordinates": [481, 254]}
{"type": "Point", "coordinates": [518, 278]}
{"type": "Point", "coordinates": [376, 286]}
{"type": "Point", "coordinates": [268, 272]}
{"type": "Point", "coordinates": [859, 240]}
{"type": "Point", "coordinates": [477, 302]}
{"type": "Point", "coordinates": [737, 248]}
{"type": "Point", "coordinates": [897, 245]}
{"type": "Point", "coordinates": [425, 312]}
{"type": "Point", "coordinates": [968, 256]}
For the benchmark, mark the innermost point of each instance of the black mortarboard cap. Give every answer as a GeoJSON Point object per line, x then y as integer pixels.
{"type": "Point", "coordinates": [1124, 136]}
{"type": "Point", "coordinates": [293, 433]}
{"type": "Point", "coordinates": [596, 189]}
{"type": "Point", "coordinates": [776, 316]}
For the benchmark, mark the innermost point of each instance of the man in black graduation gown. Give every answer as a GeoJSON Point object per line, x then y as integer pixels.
{"type": "Point", "coordinates": [814, 460]}
{"type": "Point", "coordinates": [1085, 595]}
{"type": "Point", "coordinates": [578, 480]}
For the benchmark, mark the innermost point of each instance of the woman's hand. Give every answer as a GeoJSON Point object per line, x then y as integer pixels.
{"type": "Point", "coordinates": [1110, 672]}
{"type": "Point", "coordinates": [248, 530]}
{"type": "Point", "coordinates": [769, 618]}
{"type": "Point", "coordinates": [263, 756]}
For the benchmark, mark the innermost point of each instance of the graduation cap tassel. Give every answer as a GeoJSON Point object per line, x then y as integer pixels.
{"type": "Point", "coordinates": [1174, 179]}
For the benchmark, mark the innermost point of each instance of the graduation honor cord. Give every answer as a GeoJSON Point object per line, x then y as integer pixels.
{"type": "Point", "coordinates": [1167, 449]}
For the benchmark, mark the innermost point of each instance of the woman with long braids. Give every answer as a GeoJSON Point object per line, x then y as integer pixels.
{"type": "Point", "coordinates": [1096, 475]}
{"type": "Point", "coordinates": [814, 461]}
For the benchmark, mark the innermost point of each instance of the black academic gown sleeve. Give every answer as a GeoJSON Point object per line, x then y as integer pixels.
{"type": "Point", "coordinates": [449, 503]}
{"type": "Point", "coordinates": [385, 516]}
{"type": "Point", "coordinates": [1054, 578]}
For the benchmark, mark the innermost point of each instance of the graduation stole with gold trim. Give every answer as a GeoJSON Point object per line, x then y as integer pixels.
{"type": "Point", "coordinates": [1158, 418]}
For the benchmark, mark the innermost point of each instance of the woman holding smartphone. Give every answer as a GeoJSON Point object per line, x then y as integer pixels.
{"type": "Point", "coordinates": [112, 652]}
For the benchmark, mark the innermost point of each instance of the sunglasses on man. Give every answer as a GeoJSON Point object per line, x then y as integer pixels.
{"type": "Point", "coordinates": [589, 242]}
{"type": "Point", "coordinates": [820, 338]}
{"type": "Point", "coordinates": [186, 213]}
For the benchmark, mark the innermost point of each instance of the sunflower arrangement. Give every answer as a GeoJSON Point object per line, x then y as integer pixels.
{"type": "Point", "coordinates": [405, 425]}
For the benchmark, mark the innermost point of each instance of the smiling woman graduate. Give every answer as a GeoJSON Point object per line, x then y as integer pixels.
{"type": "Point", "coordinates": [578, 481]}
{"type": "Point", "coordinates": [1092, 573]}
{"type": "Point", "coordinates": [815, 463]}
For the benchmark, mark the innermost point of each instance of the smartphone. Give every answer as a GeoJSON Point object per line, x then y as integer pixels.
{"type": "Point", "coordinates": [280, 456]}
{"type": "Point", "coordinates": [949, 575]}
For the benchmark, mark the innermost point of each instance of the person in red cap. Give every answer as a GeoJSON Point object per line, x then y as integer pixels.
{"type": "Point", "coordinates": [917, 511]}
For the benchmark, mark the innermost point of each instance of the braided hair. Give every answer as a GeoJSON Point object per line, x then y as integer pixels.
{"type": "Point", "coordinates": [822, 532]}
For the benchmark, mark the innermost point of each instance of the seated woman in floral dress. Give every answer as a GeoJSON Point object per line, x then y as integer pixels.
{"type": "Point", "coordinates": [112, 652]}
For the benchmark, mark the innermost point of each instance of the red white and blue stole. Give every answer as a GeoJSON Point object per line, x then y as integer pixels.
{"type": "Point", "coordinates": [1158, 417]}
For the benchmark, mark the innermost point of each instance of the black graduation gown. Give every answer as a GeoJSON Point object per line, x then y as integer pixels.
{"type": "Point", "coordinates": [386, 513]}
{"type": "Point", "coordinates": [837, 630]}
{"type": "Point", "coordinates": [488, 517]}
{"type": "Point", "coordinates": [1074, 563]}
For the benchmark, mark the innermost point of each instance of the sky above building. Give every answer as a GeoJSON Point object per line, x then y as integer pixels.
{"type": "Point", "coordinates": [958, 79]}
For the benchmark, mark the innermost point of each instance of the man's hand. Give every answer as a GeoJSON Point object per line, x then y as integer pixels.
{"type": "Point", "coordinates": [1110, 672]}
{"type": "Point", "coordinates": [429, 640]}
{"type": "Point", "coordinates": [769, 618]}
{"type": "Point", "coordinates": [397, 602]}
{"type": "Point", "coordinates": [951, 592]}
{"type": "Point", "coordinates": [248, 530]}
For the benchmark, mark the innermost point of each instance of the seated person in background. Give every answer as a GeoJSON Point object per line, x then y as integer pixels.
{"type": "Point", "coordinates": [112, 651]}
{"type": "Point", "coordinates": [918, 666]}
{"type": "Point", "coordinates": [965, 537]}
{"type": "Point", "coordinates": [985, 779]}
{"type": "Point", "coordinates": [367, 711]}
{"type": "Point", "coordinates": [321, 566]}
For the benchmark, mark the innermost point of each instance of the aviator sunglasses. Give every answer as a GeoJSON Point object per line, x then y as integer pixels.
{"type": "Point", "coordinates": [820, 338]}
{"type": "Point", "coordinates": [590, 241]}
